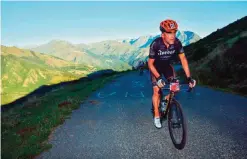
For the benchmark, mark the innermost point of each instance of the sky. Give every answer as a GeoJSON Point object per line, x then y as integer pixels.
{"type": "Point", "coordinates": [26, 23]}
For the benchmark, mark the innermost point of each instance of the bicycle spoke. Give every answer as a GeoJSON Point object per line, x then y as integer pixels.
{"type": "Point", "coordinates": [178, 131]}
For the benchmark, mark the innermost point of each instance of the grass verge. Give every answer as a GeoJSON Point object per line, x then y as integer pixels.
{"type": "Point", "coordinates": [205, 79]}
{"type": "Point", "coordinates": [26, 128]}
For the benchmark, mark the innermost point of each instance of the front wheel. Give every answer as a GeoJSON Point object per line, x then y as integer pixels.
{"type": "Point", "coordinates": [177, 125]}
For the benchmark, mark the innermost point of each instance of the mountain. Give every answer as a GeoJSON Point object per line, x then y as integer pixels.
{"type": "Point", "coordinates": [220, 58]}
{"type": "Point", "coordinates": [118, 50]}
{"type": "Point", "coordinates": [80, 54]}
{"type": "Point", "coordinates": [143, 42]}
{"type": "Point", "coordinates": [23, 71]}
{"type": "Point", "coordinates": [59, 47]}
{"type": "Point", "coordinates": [118, 53]}
{"type": "Point", "coordinates": [140, 42]}
{"type": "Point", "coordinates": [113, 49]}
{"type": "Point", "coordinates": [186, 37]}
{"type": "Point", "coordinates": [133, 50]}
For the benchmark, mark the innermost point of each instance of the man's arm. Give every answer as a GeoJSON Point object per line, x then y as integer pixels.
{"type": "Point", "coordinates": [152, 57]}
{"type": "Point", "coordinates": [185, 65]}
{"type": "Point", "coordinates": [152, 68]}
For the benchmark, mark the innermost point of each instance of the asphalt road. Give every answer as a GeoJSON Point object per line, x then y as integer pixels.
{"type": "Point", "coordinates": [116, 122]}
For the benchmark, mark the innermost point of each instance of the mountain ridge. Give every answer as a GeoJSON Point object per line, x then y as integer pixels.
{"type": "Point", "coordinates": [24, 70]}
{"type": "Point", "coordinates": [219, 59]}
{"type": "Point", "coordinates": [125, 50]}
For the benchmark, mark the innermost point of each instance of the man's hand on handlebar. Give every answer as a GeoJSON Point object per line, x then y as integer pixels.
{"type": "Point", "coordinates": [160, 82]}
{"type": "Point", "coordinates": [192, 82]}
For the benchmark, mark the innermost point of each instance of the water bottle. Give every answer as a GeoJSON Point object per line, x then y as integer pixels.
{"type": "Point", "coordinates": [163, 106]}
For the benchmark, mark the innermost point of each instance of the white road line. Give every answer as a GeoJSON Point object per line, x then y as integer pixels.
{"type": "Point", "coordinates": [136, 95]}
{"type": "Point", "coordinates": [142, 94]}
{"type": "Point", "coordinates": [126, 94]}
{"type": "Point", "coordinates": [112, 93]}
{"type": "Point", "coordinates": [100, 96]}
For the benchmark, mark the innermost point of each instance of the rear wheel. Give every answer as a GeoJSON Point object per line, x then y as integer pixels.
{"type": "Point", "coordinates": [177, 125]}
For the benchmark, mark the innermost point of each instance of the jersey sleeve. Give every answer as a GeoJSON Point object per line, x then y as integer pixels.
{"type": "Point", "coordinates": [153, 50]}
{"type": "Point", "coordinates": [180, 47]}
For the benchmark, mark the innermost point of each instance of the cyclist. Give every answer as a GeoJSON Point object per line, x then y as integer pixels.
{"type": "Point", "coordinates": [162, 50]}
{"type": "Point", "coordinates": [141, 65]}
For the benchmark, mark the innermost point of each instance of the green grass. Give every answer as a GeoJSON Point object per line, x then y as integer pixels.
{"type": "Point", "coordinates": [14, 67]}
{"type": "Point", "coordinates": [223, 89]}
{"type": "Point", "coordinates": [18, 70]}
{"type": "Point", "coordinates": [227, 34]}
{"type": "Point", "coordinates": [206, 79]}
{"type": "Point", "coordinates": [26, 128]}
{"type": "Point", "coordinates": [219, 60]}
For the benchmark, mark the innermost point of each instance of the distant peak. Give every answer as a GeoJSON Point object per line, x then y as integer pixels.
{"type": "Point", "coordinates": [60, 42]}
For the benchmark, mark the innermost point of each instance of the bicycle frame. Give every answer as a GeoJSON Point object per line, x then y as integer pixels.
{"type": "Point", "coordinates": [171, 95]}
{"type": "Point", "coordinates": [173, 120]}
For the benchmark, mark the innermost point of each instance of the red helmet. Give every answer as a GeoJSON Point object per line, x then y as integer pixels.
{"type": "Point", "coordinates": [168, 25]}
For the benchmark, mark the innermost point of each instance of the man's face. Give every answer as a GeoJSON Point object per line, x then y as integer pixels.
{"type": "Point", "coordinates": [169, 37]}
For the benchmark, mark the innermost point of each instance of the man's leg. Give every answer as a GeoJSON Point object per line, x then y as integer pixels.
{"type": "Point", "coordinates": [156, 101]}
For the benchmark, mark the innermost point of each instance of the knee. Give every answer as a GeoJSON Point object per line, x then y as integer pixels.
{"type": "Point", "coordinates": [156, 92]}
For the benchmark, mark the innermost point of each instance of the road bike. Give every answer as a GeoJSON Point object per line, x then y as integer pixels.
{"type": "Point", "coordinates": [174, 112]}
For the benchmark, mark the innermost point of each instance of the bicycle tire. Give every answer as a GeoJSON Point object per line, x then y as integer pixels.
{"type": "Point", "coordinates": [182, 144]}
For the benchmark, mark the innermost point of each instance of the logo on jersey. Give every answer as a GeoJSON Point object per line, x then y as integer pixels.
{"type": "Point", "coordinates": [166, 52]}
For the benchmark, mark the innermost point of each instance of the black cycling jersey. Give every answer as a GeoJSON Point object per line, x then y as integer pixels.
{"type": "Point", "coordinates": [162, 54]}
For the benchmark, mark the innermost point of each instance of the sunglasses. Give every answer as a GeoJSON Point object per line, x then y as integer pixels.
{"type": "Point", "coordinates": [170, 32]}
